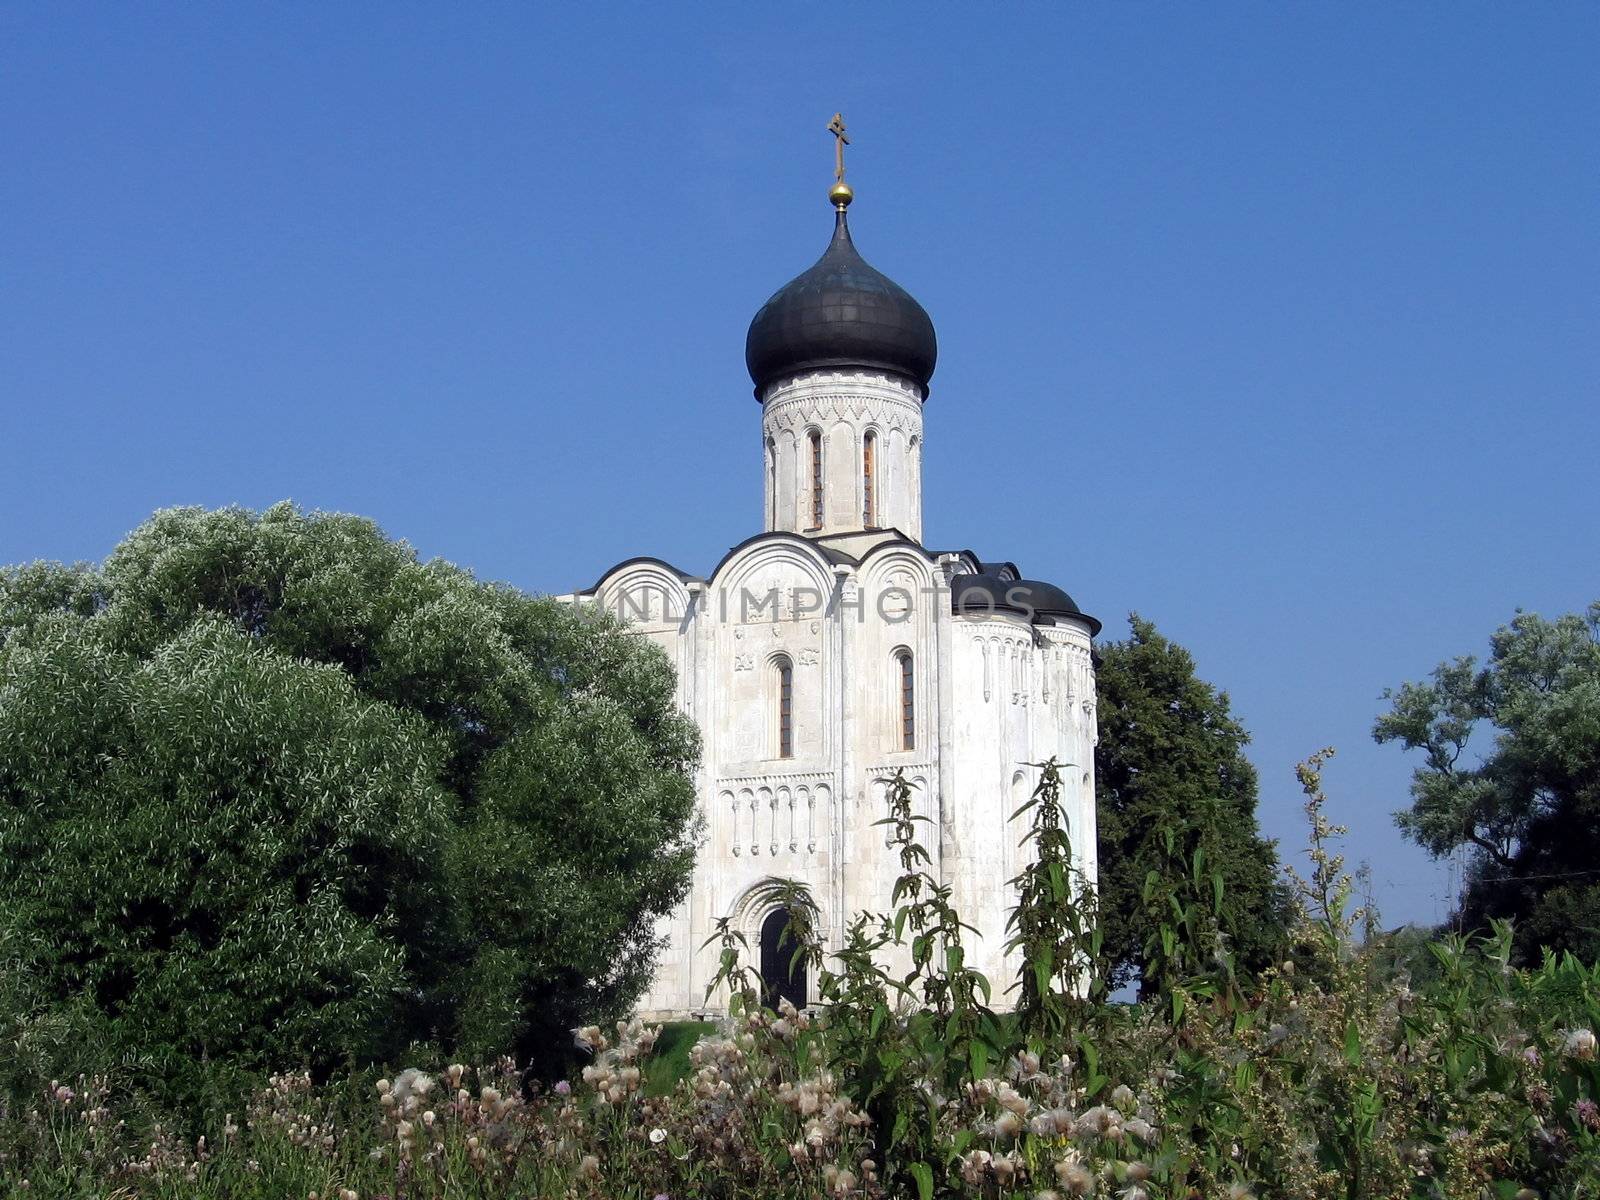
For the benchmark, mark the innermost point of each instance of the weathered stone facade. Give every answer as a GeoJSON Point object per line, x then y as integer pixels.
{"type": "Point", "coordinates": [835, 647]}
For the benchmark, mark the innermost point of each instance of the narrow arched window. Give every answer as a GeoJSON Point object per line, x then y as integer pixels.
{"type": "Point", "coordinates": [908, 700]}
{"type": "Point", "coordinates": [816, 480]}
{"type": "Point", "coordinates": [772, 483]}
{"type": "Point", "coordinates": [869, 509]}
{"type": "Point", "coordinates": [785, 708]}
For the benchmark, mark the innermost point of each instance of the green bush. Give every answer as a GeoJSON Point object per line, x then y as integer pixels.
{"type": "Point", "coordinates": [1325, 1078]}
{"type": "Point", "coordinates": [272, 790]}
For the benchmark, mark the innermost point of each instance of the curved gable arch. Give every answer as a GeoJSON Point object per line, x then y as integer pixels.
{"type": "Point", "coordinates": [643, 590]}
{"type": "Point", "coordinates": [897, 558]}
{"type": "Point", "coordinates": [793, 561]}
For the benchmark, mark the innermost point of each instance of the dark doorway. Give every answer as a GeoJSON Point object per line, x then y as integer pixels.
{"type": "Point", "coordinates": [777, 950]}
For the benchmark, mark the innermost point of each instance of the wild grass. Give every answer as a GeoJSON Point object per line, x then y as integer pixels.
{"type": "Point", "coordinates": [1330, 1075]}
{"type": "Point", "coordinates": [669, 1064]}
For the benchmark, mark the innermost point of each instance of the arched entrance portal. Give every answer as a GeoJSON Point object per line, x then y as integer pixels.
{"type": "Point", "coordinates": [777, 950]}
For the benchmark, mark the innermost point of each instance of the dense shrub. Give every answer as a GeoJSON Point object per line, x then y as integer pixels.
{"type": "Point", "coordinates": [1324, 1078]}
{"type": "Point", "coordinates": [272, 790]}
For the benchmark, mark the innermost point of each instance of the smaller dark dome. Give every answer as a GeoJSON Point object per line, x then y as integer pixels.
{"type": "Point", "coordinates": [1040, 602]}
{"type": "Point", "coordinates": [840, 313]}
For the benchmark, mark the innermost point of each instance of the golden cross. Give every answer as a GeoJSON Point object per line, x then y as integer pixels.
{"type": "Point", "coordinates": [836, 127]}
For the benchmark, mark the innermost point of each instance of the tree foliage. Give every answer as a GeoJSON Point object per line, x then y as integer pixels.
{"type": "Point", "coordinates": [1172, 780]}
{"type": "Point", "coordinates": [272, 790]}
{"type": "Point", "coordinates": [1328, 1079]}
{"type": "Point", "coordinates": [1527, 805]}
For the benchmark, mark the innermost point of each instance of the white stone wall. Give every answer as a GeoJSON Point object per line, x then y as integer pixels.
{"type": "Point", "coordinates": [842, 408]}
{"type": "Point", "coordinates": [1013, 710]}
{"type": "Point", "coordinates": [993, 695]}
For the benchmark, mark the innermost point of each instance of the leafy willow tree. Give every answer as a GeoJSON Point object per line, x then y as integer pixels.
{"type": "Point", "coordinates": [1528, 806]}
{"type": "Point", "coordinates": [273, 791]}
{"type": "Point", "coordinates": [1171, 762]}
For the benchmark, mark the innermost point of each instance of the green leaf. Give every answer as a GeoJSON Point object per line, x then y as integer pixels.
{"type": "Point", "coordinates": [1152, 880]}
{"type": "Point", "coordinates": [1244, 1075]}
{"type": "Point", "coordinates": [1090, 1052]}
{"type": "Point", "coordinates": [1352, 1043]}
{"type": "Point", "coordinates": [978, 1058]}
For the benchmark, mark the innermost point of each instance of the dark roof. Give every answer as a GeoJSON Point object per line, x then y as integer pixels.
{"type": "Point", "coordinates": [895, 535]}
{"type": "Point", "coordinates": [986, 592]}
{"type": "Point", "coordinates": [840, 313]}
{"type": "Point", "coordinates": [683, 576]}
{"type": "Point", "coordinates": [836, 557]}
{"type": "Point", "coordinates": [1040, 602]}
{"type": "Point", "coordinates": [1000, 569]}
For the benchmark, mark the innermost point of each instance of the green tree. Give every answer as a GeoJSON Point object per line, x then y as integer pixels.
{"type": "Point", "coordinates": [1527, 806]}
{"type": "Point", "coordinates": [274, 791]}
{"type": "Point", "coordinates": [1171, 761]}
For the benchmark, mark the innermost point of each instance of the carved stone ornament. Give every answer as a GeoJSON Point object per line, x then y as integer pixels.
{"type": "Point", "coordinates": [889, 413]}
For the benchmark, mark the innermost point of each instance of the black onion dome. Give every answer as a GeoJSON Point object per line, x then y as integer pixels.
{"type": "Point", "coordinates": [840, 313]}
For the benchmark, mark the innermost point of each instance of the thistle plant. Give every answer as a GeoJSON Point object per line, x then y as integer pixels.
{"type": "Point", "coordinates": [1324, 898]}
{"type": "Point", "coordinates": [733, 972]}
{"type": "Point", "coordinates": [955, 996]}
{"type": "Point", "coordinates": [1187, 953]}
{"type": "Point", "coordinates": [1054, 926]}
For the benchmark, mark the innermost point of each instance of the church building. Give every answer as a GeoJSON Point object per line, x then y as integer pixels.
{"type": "Point", "coordinates": [836, 645]}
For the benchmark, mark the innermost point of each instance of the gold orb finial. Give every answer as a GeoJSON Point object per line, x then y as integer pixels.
{"type": "Point", "coordinates": [840, 194]}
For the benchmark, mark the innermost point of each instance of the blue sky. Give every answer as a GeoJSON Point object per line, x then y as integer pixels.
{"type": "Point", "coordinates": [1277, 324]}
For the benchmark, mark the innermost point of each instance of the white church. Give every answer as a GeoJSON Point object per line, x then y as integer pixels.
{"type": "Point", "coordinates": [835, 646]}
